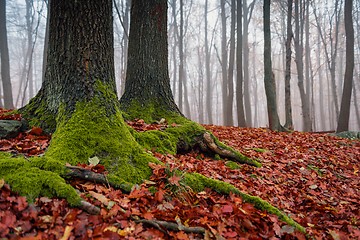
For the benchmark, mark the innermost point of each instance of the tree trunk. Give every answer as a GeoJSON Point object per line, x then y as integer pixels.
{"type": "Point", "coordinates": [343, 122]}
{"type": "Point", "coordinates": [269, 78]}
{"type": "Point", "coordinates": [207, 70]}
{"type": "Point", "coordinates": [148, 84]}
{"type": "Point", "coordinates": [229, 106]}
{"type": "Point", "coordinates": [247, 13]}
{"type": "Point", "coordinates": [289, 35]}
{"type": "Point", "coordinates": [239, 68]}
{"type": "Point", "coordinates": [224, 62]}
{"type": "Point", "coordinates": [5, 61]}
{"type": "Point", "coordinates": [300, 69]}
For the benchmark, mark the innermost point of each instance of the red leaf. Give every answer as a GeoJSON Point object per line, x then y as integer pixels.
{"type": "Point", "coordinates": [175, 180]}
{"type": "Point", "coordinates": [227, 209]}
{"type": "Point", "coordinates": [36, 131]}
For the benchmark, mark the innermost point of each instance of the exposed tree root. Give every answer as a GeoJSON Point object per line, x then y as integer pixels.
{"type": "Point", "coordinates": [208, 143]}
{"type": "Point", "coordinates": [161, 225]}
{"type": "Point", "coordinates": [89, 208]}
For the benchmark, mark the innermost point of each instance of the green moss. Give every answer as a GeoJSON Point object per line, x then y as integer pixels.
{"type": "Point", "coordinates": [37, 113]}
{"type": "Point", "coordinates": [239, 157]}
{"type": "Point", "coordinates": [199, 182]}
{"type": "Point", "coordinates": [92, 131]}
{"type": "Point", "coordinates": [232, 165]}
{"type": "Point", "coordinates": [158, 141]}
{"type": "Point", "coordinates": [33, 182]}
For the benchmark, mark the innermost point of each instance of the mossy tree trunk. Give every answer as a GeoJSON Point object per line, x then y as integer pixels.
{"type": "Point", "coordinates": [78, 102]}
{"type": "Point", "coordinates": [80, 53]}
{"type": "Point", "coordinates": [147, 77]}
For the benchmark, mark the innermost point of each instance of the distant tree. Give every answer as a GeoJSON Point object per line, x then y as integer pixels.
{"type": "Point", "coordinates": [269, 78]}
{"type": "Point", "coordinates": [229, 120]}
{"type": "Point", "coordinates": [330, 41]}
{"type": "Point", "coordinates": [239, 67]}
{"type": "Point", "coordinates": [343, 122]}
{"type": "Point", "coordinates": [299, 49]}
{"type": "Point", "coordinates": [289, 36]}
{"type": "Point", "coordinates": [209, 86]}
{"type": "Point", "coordinates": [247, 15]}
{"type": "Point", "coordinates": [5, 61]}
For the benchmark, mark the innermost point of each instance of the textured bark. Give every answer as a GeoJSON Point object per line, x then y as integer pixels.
{"type": "Point", "coordinates": [230, 99]}
{"type": "Point", "coordinates": [5, 61]}
{"type": "Point", "coordinates": [289, 35]}
{"type": "Point", "coordinates": [343, 123]}
{"type": "Point", "coordinates": [247, 13]}
{"type": "Point", "coordinates": [269, 79]}
{"type": "Point", "coordinates": [224, 61]}
{"type": "Point", "coordinates": [304, 96]}
{"type": "Point", "coordinates": [147, 76]}
{"type": "Point", "coordinates": [80, 52]}
{"type": "Point", "coordinates": [207, 70]}
{"type": "Point", "coordinates": [239, 68]}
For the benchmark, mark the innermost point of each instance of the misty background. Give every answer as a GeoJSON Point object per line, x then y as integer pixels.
{"type": "Point", "coordinates": [200, 57]}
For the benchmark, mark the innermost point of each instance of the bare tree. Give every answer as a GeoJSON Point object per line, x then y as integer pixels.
{"type": "Point", "coordinates": [289, 36]}
{"type": "Point", "coordinates": [239, 68]}
{"type": "Point", "coordinates": [269, 78]}
{"type": "Point", "coordinates": [247, 14]}
{"type": "Point", "coordinates": [5, 61]}
{"type": "Point", "coordinates": [230, 98]}
{"type": "Point", "coordinates": [207, 68]}
{"type": "Point", "coordinates": [304, 96]}
{"type": "Point", "coordinates": [331, 47]}
{"type": "Point", "coordinates": [343, 122]}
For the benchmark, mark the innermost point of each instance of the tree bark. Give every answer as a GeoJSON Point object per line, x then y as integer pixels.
{"type": "Point", "coordinates": [239, 68]}
{"type": "Point", "coordinates": [289, 36]}
{"type": "Point", "coordinates": [207, 69]}
{"type": "Point", "coordinates": [247, 13]}
{"type": "Point", "coordinates": [300, 69]}
{"type": "Point", "coordinates": [5, 61]}
{"type": "Point", "coordinates": [343, 122]}
{"type": "Point", "coordinates": [224, 63]}
{"type": "Point", "coordinates": [230, 75]}
{"type": "Point", "coordinates": [147, 76]}
{"type": "Point", "coordinates": [269, 78]}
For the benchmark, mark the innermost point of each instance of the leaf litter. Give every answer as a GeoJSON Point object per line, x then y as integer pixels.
{"type": "Point", "coordinates": [293, 164]}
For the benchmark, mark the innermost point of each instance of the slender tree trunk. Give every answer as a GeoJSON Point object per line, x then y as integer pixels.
{"type": "Point", "coordinates": [201, 85]}
{"type": "Point", "coordinates": [29, 28]}
{"type": "Point", "coordinates": [207, 69]}
{"type": "Point", "coordinates": [343, 122]}
{"type": "Point", "coordinates": [239, 68]}
{"type": "Point", "coordinates": [5, 60]}
{"type": "Point", "coordinates": [181, 57]}
{"type": "Point", "coordinates": [300, 70]}
{"type": "Point", "coordinates": [269, 78]}
{"type": "Point", "coordinates": [289, 35]}
{"type": "Point", "coordinates": [229, 119]}
{"type": "Point", "coordinates": [46, 42]}
{"type": "Point", "coordinates": [174, 56]}
{"type": "Point", "coordinates": [307, 62]}
{"type": "Point", "coordinates": [224, 62]}
{"type": "Point", "coordinates": [247, 13]}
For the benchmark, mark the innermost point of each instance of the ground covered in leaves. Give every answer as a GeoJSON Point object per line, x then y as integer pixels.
{"type": "Point", "coordinates": [314, 178]}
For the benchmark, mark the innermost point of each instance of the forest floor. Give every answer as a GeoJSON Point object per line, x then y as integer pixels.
{"type": "Point", "coordinates": [314, 178]}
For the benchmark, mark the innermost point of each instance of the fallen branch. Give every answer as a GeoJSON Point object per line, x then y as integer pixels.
{"type": "Point", "coordinates": [160, 225]}
{"type": "Point", "coordinates": [89, 208]}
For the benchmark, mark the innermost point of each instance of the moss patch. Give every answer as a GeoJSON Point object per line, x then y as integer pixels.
{"type": "Point", "coordinates": [91, 131]}
{"type": "Point", "coordinates": [199, 182]}
{"type": "Point", "coordinates": [31, 181]}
